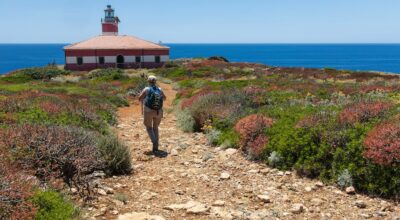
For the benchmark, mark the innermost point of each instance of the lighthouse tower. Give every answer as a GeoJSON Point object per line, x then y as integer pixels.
{"type": "Point", "coordinates": [110, 22]}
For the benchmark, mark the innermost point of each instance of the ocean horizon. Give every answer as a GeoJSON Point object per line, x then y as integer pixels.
{"type": "Point", "coordinates": [345, 56]}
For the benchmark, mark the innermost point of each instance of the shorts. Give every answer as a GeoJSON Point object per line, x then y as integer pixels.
{"type": "Point", "coordinates": [152, 118]}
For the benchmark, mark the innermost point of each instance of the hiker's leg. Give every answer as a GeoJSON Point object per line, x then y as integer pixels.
{"type": "Point", "coordinates": [148, 122]}
{"type": "Point", "coordinates": [152, 136]}
{"type": "Point", "coordinates": [155, 131]}
{"type": "Point", "coordinates": [156, 124]}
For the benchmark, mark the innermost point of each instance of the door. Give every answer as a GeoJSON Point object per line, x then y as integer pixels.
{"type": "Point", "coordinates": [120, 61]}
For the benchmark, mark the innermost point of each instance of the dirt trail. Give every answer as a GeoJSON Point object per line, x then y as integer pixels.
{"type": "Point", "coordinates": [196, 181]}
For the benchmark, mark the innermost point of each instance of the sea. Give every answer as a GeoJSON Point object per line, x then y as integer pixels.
{"type": "Point", "coordinates": [357, 57]}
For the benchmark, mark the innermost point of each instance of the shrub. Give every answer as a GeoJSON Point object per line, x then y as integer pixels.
{"type": "Point", "coordinates": [108, 74]}
{"type": "Point", "coordinates": [362, 112]}
{"type": "Point", "coordinates": [171, 64]}
{"type": "Point", "coordinates": [213, 136]}
{"type": "Point", "coordinates": [135, 90]}
{"type": "Point", "coordinates": [227, 106]}
{"type": "Point", "coordinates": [55, 151]}
{"type": "Point", "coordinates": [15, 190]}
{"type": "Point", "coordinates": [118, 100]}
{"type": "Point", "coordinates": [382, 144]}
{"type": "Point", "coordinates": [116, 155]}
{"type": "Point", "coordinates": [252, 133]}
{"type": "Point", "coordinates": [345, 179]}
{"type": "Point", "coordinates": [52, 205]}
{"type": "Point", "coordinates": [41, 73]}
{"type": "Point", "coordinates": [274, 159]}
{"type": "Point", "coordinates": [185, 121]}
{"type": "Point", "coordinates": [190, 101]}
{"type": "Point", "coordinates": [219, 58]}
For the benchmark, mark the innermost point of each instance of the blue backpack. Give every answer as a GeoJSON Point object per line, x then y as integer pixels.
{"type": "Point", "coordinates": [154, 99]}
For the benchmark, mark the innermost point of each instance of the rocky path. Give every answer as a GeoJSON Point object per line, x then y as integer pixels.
{"type": "Point", "coordinates": [196, 181]}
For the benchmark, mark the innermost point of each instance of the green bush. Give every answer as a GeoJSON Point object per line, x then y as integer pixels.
{"type": "Point", "coordinates": [174, 72]}
{"type": "Point", "coordinates": [39, 73]}
{"type": "Point", "coordinates": [116, 154]}
{"type": "Point", "coordinates": [53, 206]}
{"type": "Point", "coordinates": [226, 106]}
{"type": "Point", "coordinates": [185, 121]}
{"type": "Point", "coordinates": [228, 139]}
{"type": "Point", "coordinates": [117, 100]}
{"type": "Point", "coordinates": [108, 74]}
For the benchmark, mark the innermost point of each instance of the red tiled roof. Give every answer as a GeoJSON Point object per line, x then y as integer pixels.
{"type": "Point", "coordinates": [120, 42]}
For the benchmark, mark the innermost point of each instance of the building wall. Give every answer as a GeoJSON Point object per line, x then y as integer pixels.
{"type": "Point", "coordinates": [91, 59]}
{"type": "Point", "coordinates": [88, 67]}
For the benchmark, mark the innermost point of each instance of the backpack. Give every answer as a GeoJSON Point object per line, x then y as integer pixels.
{"type": "Point", "coordinates": [154, 98]}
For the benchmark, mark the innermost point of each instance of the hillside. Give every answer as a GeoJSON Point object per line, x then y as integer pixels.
{"type": "Point", "coordinates": [269, 142]}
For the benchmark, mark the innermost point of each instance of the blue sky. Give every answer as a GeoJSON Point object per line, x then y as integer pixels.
{"type": "Point", "coordinates": [206, 21]}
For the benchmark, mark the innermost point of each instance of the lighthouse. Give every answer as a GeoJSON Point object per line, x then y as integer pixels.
{"type": "Point", "coordinates": [112, 50]}
{"type": "Point", "coordinates": [110, 22]}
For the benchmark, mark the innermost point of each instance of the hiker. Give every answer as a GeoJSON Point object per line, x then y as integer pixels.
{"type": "Point", "coordinates": [152, 98]}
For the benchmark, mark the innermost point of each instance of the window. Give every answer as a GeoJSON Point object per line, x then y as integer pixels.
{"type": "Point", "coordinates": [79, 60]}
{"type": "Point", "coordinates": [158, 59]}
{"type": "Point", "coordinates": [101, 60]}
{"type": "Point", "coordinates": [138, 60]}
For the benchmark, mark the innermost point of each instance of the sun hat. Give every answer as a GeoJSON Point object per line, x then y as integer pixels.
{"type": "Point", "coordinates": [152, 79]}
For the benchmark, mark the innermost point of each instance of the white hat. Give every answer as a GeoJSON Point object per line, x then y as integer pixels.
{"type": "Point", "coordinates": [152, 79]}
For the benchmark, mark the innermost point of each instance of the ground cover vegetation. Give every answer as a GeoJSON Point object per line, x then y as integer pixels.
{"type": "Point", "coordinates": [340, 126]}
{"type": "Point", "coordinates": [54, 133]}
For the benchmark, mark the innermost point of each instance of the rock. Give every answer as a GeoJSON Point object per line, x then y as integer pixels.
{"type": "Point", "coordinates": [179, 192]}
{"type": "Point", "coordinates": [360, 204]}
{"type": "Point", "coordinates": [204, 177]}
{"type": "Point", "coordinates": [108, 190]}
{"type": "Point", "coordinates": [175, 207]}
{"type": "Point", "coordinates": [139, 216]}
{"type": "Point", "coordinates": [264, 171]}
{"type": "Point", "coordinates": [118, 203]}
{"type": "Point", "coordinates": [286, 198]}
{"type": "Point", "coordinates": [98, 174]}
{"type": "Point", "coordinates": [259, 215]}
{"type": "Point", "coordinates": [219, 213]}
{"type": "Point", "coordinates": [264, 198]}
{"type": "Point", "coordinates": [297, 208]}
{"type": "Point", "coordinates": [174, 152]}
{"type": "Point", "coordinates": [253, 171]}
{"type": "Point", "coordinates": [366, 216]}
{"type": "Point", "coordinates": [146, 195]}
{"type": "Point", "coordinates": [225, 176]}
{"type": "Point", "coordinates": [317, 201]}
{"type": "Point", "coordinates": [280, 173]}
{"type": "Point", "coordinates": [199, 209]}
{"type": "Point", "coordinates": [230, 151]}
{"type": "Point", "coordinates": [74, 190]}
{"type": "Point", "coordinates": [381, 214]}
{"type": "Point", "coordinates": [288, 173]}
{"type": "Point", "coordinates": [198, 161]}
{"type": "Point", "coordinates": [308, 189]}
{"type": "Point", "coordinates": [101, 212]}
{"type": "Point", "coordinates": [319, 184]}
{"type": "Point", "coordinates": [101, 192]}
{"type": "Point", "coordinates": [114, 212]}
{"type": "Point", "coordinates": [350, 190]}
{"type": "Point", "coordinates": [207, 156]}
{"type": "Point", "coordinates": [219, 203]}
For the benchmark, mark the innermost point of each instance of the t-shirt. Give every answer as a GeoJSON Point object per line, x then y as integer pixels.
{"type": "Point", "coordinates": [145, 91]}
